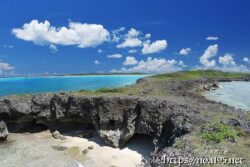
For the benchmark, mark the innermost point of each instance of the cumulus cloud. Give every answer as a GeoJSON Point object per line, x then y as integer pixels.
{"type": "Point", "coordinates": [229, 65]}
{"type": "Point", "coordinates": [116, 34]}
{"type": "Point", "coordinates": [155, 47]}
{"type": "Point", "coordinates": [130, 42]}
{"type": "Point", "coordinates": [147, 35]}
{"type": "Point", "coordinates": [83, 35]}
{"type": "Point", "coordinates": [131, 39]}
{"type": "Point", "coordinates": [53, 48]}
{"type": "Point", "coordinates": [181, 63]}
{"type": "Point", "coordinates": [130, 61]}
{"type": "Point", "coordinates": [185, 51]}
{"type": "Point", "coordinates": [5, 67]}
{"type": "Point", "coordinates": [234, 68]}
{"type": "Point", "coordinates": [99, 51]}
{"type": "Point", "coordinates": [132, 51]}
{"type": "Point", "coordinates": [132, 33]}
{"type": "Point", "coordinates": [97, 62]}
{"type": "Point", "coordinates": [153, 66]}
{"type": "Point", "coordinates": [210, 52]}
{"type": "Point", "coordinates": [212, 38]}
{"type": "Point", "coordinates": [115, 56]}
{"type": "Point", "coordinates": [246, 60]}
{"type": "Point", "coordinates": [227, 60]}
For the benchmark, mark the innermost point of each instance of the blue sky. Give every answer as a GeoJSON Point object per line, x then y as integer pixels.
{"type": "Point", "coordinates": [62, 37]}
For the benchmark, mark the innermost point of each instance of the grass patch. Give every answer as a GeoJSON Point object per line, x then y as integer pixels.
{"type": "Point", "coordinates": [198, 74]}
{"type": "Point", "coordinates": [167, 94]}
{"type": "Point", "coordinates": [110, 90]}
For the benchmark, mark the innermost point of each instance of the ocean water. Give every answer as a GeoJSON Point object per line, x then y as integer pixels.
{"type": "Point", "coordinates": [24, 85]}
{"type": "Point", "coordinates": [236, 94]}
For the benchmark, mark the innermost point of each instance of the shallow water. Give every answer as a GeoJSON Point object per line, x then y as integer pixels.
{"type": "Point", "coordinates": [22, 85]}
{"type": "Point", "coordinates": [236, 94]}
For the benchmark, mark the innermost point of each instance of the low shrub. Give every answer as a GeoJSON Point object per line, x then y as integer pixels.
{"type": "Point", "coordinates": [217, 133]}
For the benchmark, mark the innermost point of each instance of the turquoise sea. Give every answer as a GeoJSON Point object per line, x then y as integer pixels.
{"type": "Point", "coordinates": [24, 85]}
{"type": "Point", "coordinates": [236, 94]}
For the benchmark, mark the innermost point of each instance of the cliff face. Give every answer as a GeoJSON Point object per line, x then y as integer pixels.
{"type": "Point", "coordinates": [115, 118]}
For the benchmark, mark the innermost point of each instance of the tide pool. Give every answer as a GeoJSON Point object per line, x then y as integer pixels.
{"type": "Point", "coordinates": [24, 85]}
{"type": "Point", "coordinates": [235, 94]}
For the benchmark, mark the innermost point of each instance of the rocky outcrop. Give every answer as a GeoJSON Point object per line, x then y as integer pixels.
{"type": "Point", "coordinates": [3, 131]}
{"type": "Point", "coordinates": [116, 118]}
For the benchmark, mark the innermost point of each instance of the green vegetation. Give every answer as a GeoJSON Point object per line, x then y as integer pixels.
{"type": "Point", "coordinates": [198, 74]}
{"type": "Point", "coordinates": [217, 133]}
{"type": "Point", "coordinates": [110, 90]}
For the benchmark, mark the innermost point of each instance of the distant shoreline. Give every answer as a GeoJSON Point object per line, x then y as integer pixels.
{"type": "Point", "coordinates": [72, 75]}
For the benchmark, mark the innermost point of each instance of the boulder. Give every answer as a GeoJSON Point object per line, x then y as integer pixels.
{"type": "Point", "coordinates": [57, 135]}
{"type": "Point", "coordinates": [90, 147]}
{"type": "Point", "coordinates": [3, 131]}
{"type": "Point", "coordinates": [85, 151]}
{"type": "Point", "coordinates": [59, 148]}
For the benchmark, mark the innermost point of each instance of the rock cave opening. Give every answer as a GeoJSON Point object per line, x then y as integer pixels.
{"type": "Point", "coordinates": [143, 144]}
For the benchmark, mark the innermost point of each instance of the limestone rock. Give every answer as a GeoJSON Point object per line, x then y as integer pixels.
{"type": "Point", "coordinates": [59, 148]}
{"type": "Point", "coordinates": [90, 147]}
{"type": "Point", "coordinates": [3, 131]}
{"type": "Point", "coordinates": [85, 151]}
{"type": "Point", "coordinates": [57, 135]}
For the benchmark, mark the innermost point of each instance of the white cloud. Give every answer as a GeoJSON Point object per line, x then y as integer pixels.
{"type": "Point", "coordinates": [184, 51]}
{"type": "Point", "coordinates": [235, 68]}
{"type": "Point", "coordinates": [131, 39]}
{"type": "Point", "coordinates": [148, 36]}
{"type": "Point", "coordinates": [118, 30]}
{"type": "Point", "coordinates": [153, 66]}
{"type": "Point", "coordinates": [132, 51]}
{"type": "Point", "coordinates": [115, 56]}
{"type": "Point", "coordinates": [210, 52]}
{"type": "Point", "coordinates": [130, 61]}
{"type": "Point", "coordinates": [132, 33]}
{"type": "Point", "coordinates": [5, 67]}
{"type": "Point", "coordinates": [83, 35]}
{"type": "Point", "coordinates": [181, 63]}
{"type": "Point", "coordinates": [227, 60]}
{"type": "Point", "coordinates": [228, 65]}
{"type": "Point", "coordinates": [155, 47]}
{"type": "Point", "coordinates": [97, 62]}
{"type": "Point", "coordinates": [8, 46]}
{"type": "Point", "coordinates": [116, 34]}
{"type": "Point", "coordinates": [99, 51]}
{"type": "Point", "coordinates": [130, 42]}
{"type": "Point", "coordinates": [246, 60]}
{"type": "Point", "coordinates": [212, 38]}
{"type": "Point", "coordinates": [53, 48]}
